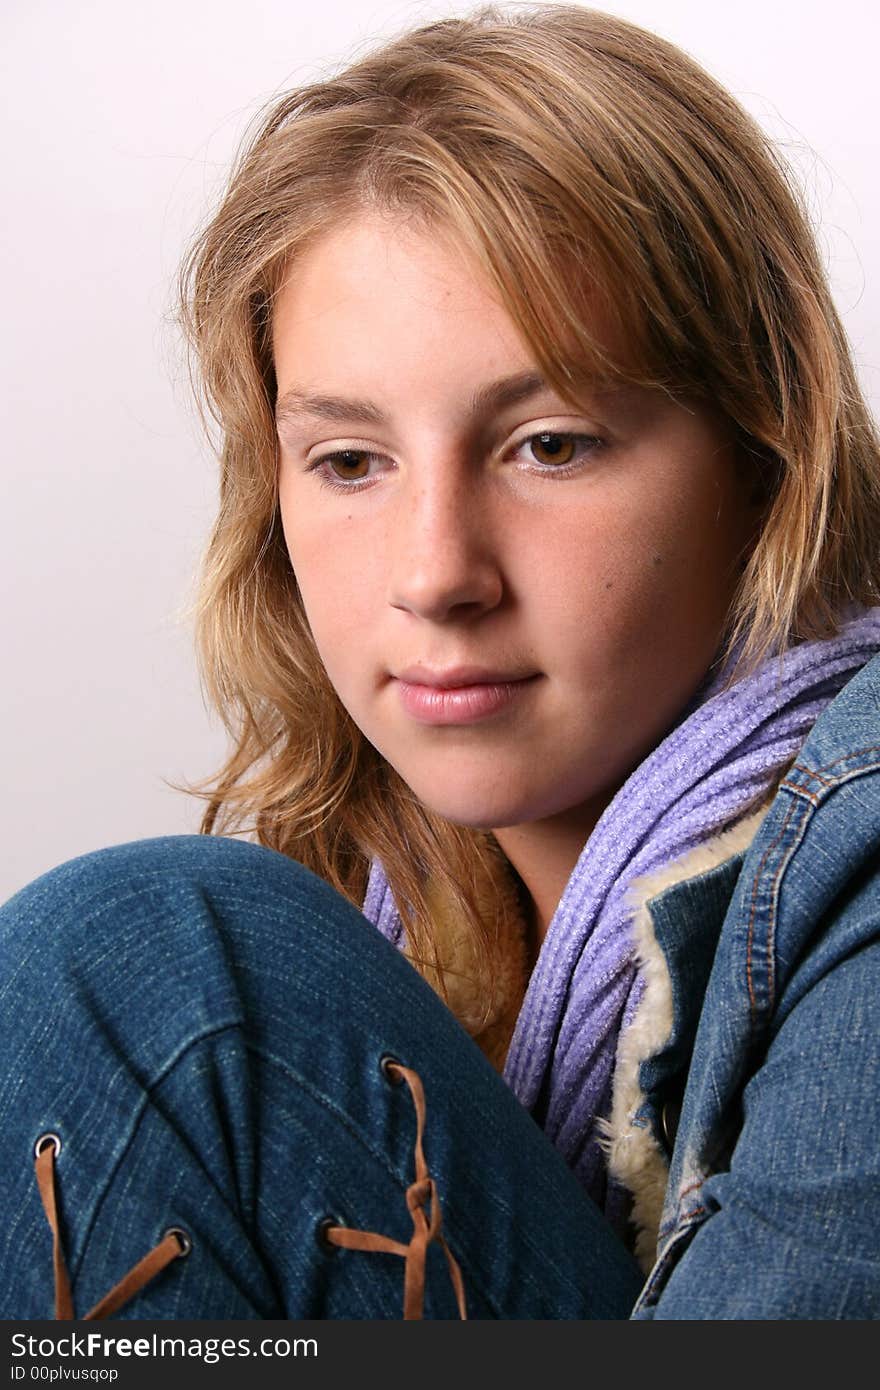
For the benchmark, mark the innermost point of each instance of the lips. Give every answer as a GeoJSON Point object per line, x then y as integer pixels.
{"type": "Point", "coordinates": [459, 695]}
{"type": "Point", "coordinates": [457, 676]}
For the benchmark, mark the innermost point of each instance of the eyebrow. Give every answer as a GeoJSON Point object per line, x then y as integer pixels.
{"type": "Point", "coordinates": [507, 391]}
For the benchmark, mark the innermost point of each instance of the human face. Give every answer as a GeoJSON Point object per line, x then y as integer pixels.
{"type": "Point", "coordinates": [513, 601]}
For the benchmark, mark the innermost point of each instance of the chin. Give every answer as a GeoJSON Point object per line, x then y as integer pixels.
{"type": "Point", "coordinates": [478, 792]}
{"type": "Point", "coordinates": [476, 811]}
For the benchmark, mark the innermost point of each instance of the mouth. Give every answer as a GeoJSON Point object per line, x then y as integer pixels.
{"type": "Point", "coordinates": [459, 695]}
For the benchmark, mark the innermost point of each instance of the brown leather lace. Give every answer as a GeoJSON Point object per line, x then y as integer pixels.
{"type": "Point", "coordinates": [172, 1246]}
{"type": "Point", "coordinates": [420, 1192]}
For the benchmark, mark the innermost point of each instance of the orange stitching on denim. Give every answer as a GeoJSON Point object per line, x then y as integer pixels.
{"type": "Point", "coordinates": [813, 799]}
{"type": "Point", "coordinates": [750, 937]}
{"type": "Point", "coordinates": [685, 1220]}
{"type": "Point", "coordinates": [693, 1187]}
{"type": "Point", "coordinates": [697, 1211]}
{"type": "Point", "coordinates": [801, 791]}
{"type": "Point", "coordinates": [844, 758]}
{"type": "Point", "coordinates": [771, 962]}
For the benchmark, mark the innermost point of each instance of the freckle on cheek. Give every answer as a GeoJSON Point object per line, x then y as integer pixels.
{"type": "Point", "coordinates": [610, 584]}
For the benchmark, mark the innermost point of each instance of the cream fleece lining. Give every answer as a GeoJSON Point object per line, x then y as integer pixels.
{"type": "Point", "coordinates": [634, 1156]}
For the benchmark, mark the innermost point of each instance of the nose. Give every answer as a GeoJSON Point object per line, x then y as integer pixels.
{"type": "Point", "coordinates": [443, 561]}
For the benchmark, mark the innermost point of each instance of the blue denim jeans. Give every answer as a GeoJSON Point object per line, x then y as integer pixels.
{"type": "Point", "coordinates": [201, 1021]}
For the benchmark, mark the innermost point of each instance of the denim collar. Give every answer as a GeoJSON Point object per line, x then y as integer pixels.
{"type": "Point", "coordinates": [678, 916]}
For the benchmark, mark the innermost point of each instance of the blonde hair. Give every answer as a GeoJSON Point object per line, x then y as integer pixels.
{"type": "Point", "coordinates": [580, 161]}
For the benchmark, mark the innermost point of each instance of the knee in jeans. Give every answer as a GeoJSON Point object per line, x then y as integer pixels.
{"type": "Point", "coordinates": [74, 902]}
{"type": "Point", "coordinates": [147, 863]}
{"type": "Point", "coordinates": [170, 893]}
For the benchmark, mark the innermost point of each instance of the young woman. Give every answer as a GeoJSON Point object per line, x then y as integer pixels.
{"type": "Point", "coordinates": [539, 606]}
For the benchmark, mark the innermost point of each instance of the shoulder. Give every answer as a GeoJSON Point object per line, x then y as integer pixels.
{"type": "Point", "coordinates": [809, 890]}
{"type": "Point", "coordinates": [775, 1165]}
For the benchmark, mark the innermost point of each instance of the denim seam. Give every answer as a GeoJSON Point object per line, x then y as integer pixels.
{"type": "Point", "coordinates": [859, 769]}
{"type": "Point", "coordinates": [256, 1051]}
{"type": "Point", "coordinates": [667, 1259]}
{"type": "Point", "coordinates": [382, 1159]}
{"type": "Point", "coordinates": [842, 758]}
{"type": "Point", "coordinates": [137, 1117]}
{"type": "Point", "coordinates": [750, 934]}
{"type": "Point", "coordinates": [692, 1187]}
{"type": "Point", "coordinates": [681, 1219]}
{"type": "Point", "coordinates": [271, 1057]}
{"type": "Point", "coordinates": [402, 1182]}
{"type": "Point", "coordinates": [801, 815]}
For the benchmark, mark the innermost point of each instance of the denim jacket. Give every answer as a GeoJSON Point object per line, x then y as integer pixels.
{"type": "Point", "coordinates": [746, 1116]}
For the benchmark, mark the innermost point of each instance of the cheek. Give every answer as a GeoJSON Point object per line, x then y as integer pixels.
{"type": "Point", "coordinates": [337, 589]}
{"type": "Point", "coordinates": [601, 569]}
{"type": "Point", "coordinates": [621, 599]}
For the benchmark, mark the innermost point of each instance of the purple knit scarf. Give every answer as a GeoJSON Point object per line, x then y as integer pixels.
{"type": "Point", "coordinates": [723, 753]}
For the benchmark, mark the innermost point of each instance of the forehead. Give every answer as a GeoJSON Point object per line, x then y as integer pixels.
{"type": "Point", "coordinates": [392, 274]}
{"type": "Point", "coordinates": [372, 311]}
{"type": "Point", "coordinates": [375, 307]}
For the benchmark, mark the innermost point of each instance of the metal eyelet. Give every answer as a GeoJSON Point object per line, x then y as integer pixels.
{"type": "Point", "coordinates": [321, 1230]}
{"type": "Point", "coordinates": [44, 1139]}
{"type": "Point", "coordinates": [386, 1062]}
{"type": "Point", "coordinates": [184, 1240]}
{"type": "Point", "coordinates": [669, 1118]}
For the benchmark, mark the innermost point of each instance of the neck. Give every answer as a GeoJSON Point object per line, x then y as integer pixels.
{"type": "Point", "coordinates": [543, 856]}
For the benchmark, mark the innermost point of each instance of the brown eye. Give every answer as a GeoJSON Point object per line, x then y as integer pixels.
{"type": "Point", "coordinates": [553, 448]}
{"type": "Point", "coordinates": [349, 464]}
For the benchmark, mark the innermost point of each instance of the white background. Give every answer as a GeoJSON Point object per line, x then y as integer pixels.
{"type": "Point", "coordinates": [118, 124]}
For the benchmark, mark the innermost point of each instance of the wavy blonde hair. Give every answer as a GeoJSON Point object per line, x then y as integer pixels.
{"type": "Point", "coordinates": [579, 160]}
